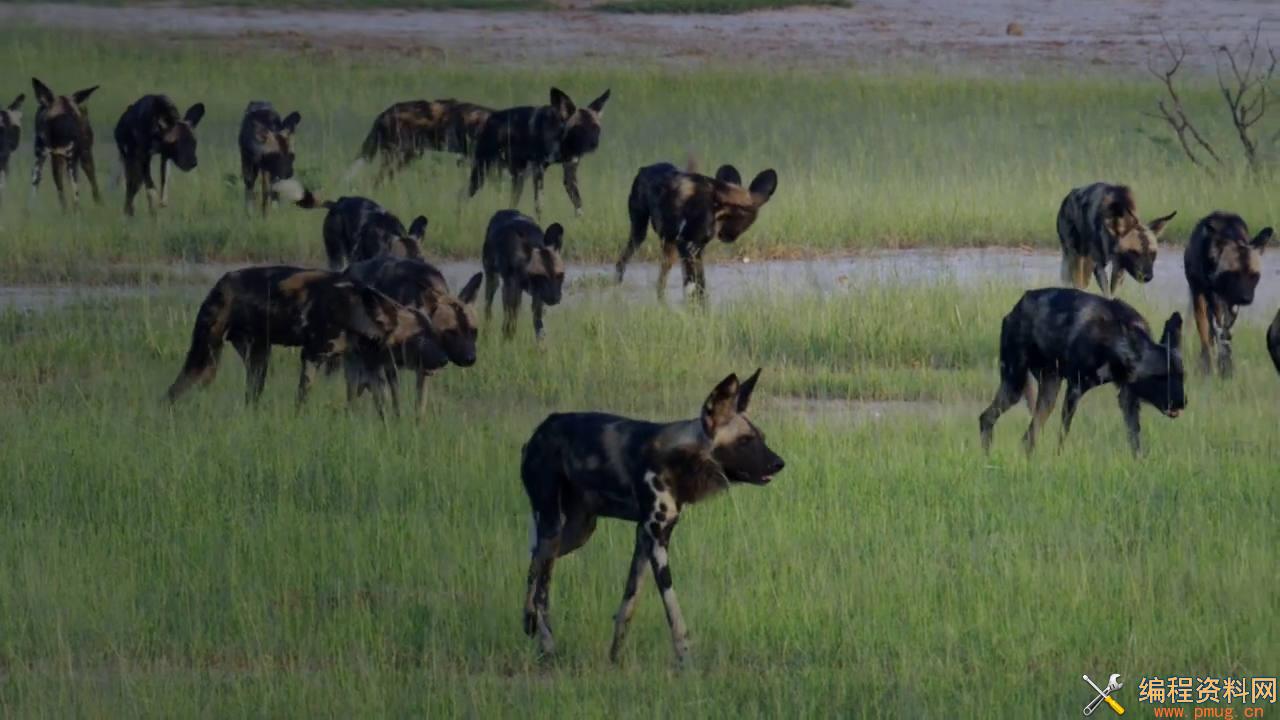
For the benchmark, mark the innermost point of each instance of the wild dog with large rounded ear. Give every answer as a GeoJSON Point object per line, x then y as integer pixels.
{"type": "Point", "coordinates": [763, 187]}
{"type": "Point", "coordinates": [597, 105]}
{"type": "Point", "coordinates": [721, 405]}
{"type": "Point", "coordinates": [1171, 338]}
{"type": "Point", "coordinates": [563, 106]}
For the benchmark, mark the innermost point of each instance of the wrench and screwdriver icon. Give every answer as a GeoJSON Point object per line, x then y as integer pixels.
{"type": "Point", "coordinates": [1105, 694]}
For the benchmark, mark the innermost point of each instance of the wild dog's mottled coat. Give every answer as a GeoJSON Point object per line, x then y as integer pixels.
{"type": "Point", "coordinates": [64, 137]}
{"type": "Point", "coordinates": [319, 311]}
{"type": "Point", "coordinates": [266, 149]}
{"type": "Point", "coordinates": [403, 131]}
{"type": "Point", "coordinates": [10, 136]}
{"type": "Point", "coordinates": [357, 228]}
{"type": "Point", "coordinates": [524, 258]}
{"type": "Point", "coordinates": [687, 211]}
{"type": "Point", "coordinates": [578, 467]}
{"type": "Point", "coordinates": [1060, 334]}
{"type": "Point", "coordinates": [1223, 265]}
{"type": "Point", "coordinates": [1273, 341]}
{"type": "Point", "coordinates": [1098, 226]}
{"type": "Point", "coordinates": [526, 140]}
{"type": "Point", "coordinates": [416, 284]}
{"type": "Point", "coordinates": [152, 126]}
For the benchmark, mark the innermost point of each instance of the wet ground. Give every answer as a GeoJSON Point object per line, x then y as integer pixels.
{"type": "Point", "coordinates": [996, 35]}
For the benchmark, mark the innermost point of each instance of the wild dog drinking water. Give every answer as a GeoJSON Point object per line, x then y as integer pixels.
{"type": "Point", "coordinates": [419, 285]}
{"type": "Point", "coordinates": [321, 312]}
{"type": "Point", "coordinates": [357, 228]}
{"type": "Point", "coordinates": [523, 257]}
{"type": "Point", "coordinates": [267, 153]}
{"type": "Point", "coordinates": [1060, 334]}
{"type": "Point", "coordinates": [578, 467]}
{"type": "Point", "coordinates": [1223, 265]}
{"type": "Point", "coordinates": [64, 137]}
{"type": "Point", "coordinates": [1098, 226]}
{"type": "Point", "coordinates": [687, 211]}
{"type": "Point", "coordinates": [402, 132]}
{"type": "Point", "coordinates": [152, 126]}
{"type": "Point", "coordinates": [526, 140]}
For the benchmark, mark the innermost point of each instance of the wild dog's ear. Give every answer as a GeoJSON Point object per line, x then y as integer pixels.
{"type": "Point", "coordinates": [562, 104]}
{"type": "Point", "coordinates": [1172, 335]}
{"type": "Point", "coordinates": [370, 314]}
{"type": "Point", "coordinates": [1157, 225]}
{"type": "Point", "coordinates": [290, 123]}
{"type": "Point", "coordinates": [1259, 241]}
{"type": "Point", "coordinates": [744, 392]}
{"type": "Point", "coordinates": [82, 96]}
{"type": "Point", "coordinates": [471, 290]}
{"type": "Point", "coordinates": [44, 95]}
{"type": "Point", "coordinates": [412, 249]}
{"type": "Point", "coordinates": [763, 187]}
{"type": "Point", "coordinates": [419, 228]}
{"type": "Point", "coordinates": [721, 405]}
{"type": "Point", "coordinates": [17, 103]}
{"type": "Point", "coordinates": [729, 174]}
{"type": "Point", "coordinates": [554, 236]}
{"type": "Point", "coordinates": [597, 105]}
{"type": "Point", "coordinates": [194, 114]}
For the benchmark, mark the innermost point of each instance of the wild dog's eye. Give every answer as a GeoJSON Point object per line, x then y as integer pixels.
{"type": "Point", "coordinates": [744, 441]}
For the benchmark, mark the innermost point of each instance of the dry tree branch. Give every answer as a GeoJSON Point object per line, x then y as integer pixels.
{"type": "Point", "coordinates": [1247, 92]}
{"type": "Point", "coordinates": [1175, 114]}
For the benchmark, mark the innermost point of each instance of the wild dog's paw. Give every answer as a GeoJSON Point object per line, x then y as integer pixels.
{"type": "Point", "coordinates": [530, 623]}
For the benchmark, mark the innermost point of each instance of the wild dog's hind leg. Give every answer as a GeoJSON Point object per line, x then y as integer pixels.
{"type": "Point", "coordinates": [544, 495]}
{"type": "Point", "coordinates": [635, 578]}
{"type": "Point", "coordinates": [1050, 381]}
{"type": "Point", "coordinates": [491, 280]}
{"type": "Point", "coordinates": [638, 211]}
{"type": "Point", "coordinates": [256, 357]}
{"type": "Point", "coordinates": [1006, 397]}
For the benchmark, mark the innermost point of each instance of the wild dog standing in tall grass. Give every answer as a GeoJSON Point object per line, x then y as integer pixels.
{"type": "Point", "coordinates": [65, 138]}
{"type": "Point", "coordinates": [357, 228]}
{"type": "Point", "coordinates": [526, 140]}
{"type": "Point", "coordinates": [321, 312]}
{"type": "Point", "coordinates": [688, 211]}
{"type": "Point", "coordinates": [403, 131]}
{"type": "Point", "coordinates": [1098, 226]}
{"type": "Point", "coordinates": [1273, 341]}
{"type": "Point", "coordinates": [418, 285]}
{"type": "Point", "coordinates": [1223, 265]}
{"type": "Point", "coordinates": [1060, 334]}
{"type": "Point", "coordinates": [581, 466]}
{"type": "Point", "coordinates": [10, 136]}
{"type": "Point", "coordinates": [152, 126]}
{"type": "Point", "coordinates": [524, 258]}
{"type": "Point", "coordinates": [266, 153]}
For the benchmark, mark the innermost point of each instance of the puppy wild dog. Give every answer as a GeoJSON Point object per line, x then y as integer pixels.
{"type": "Point", "coordinates": [526, 140]}
{"type": "Point", "coordinates": [152, 126]}
{"type": "Point", "coordinates": [1098, 226]}
{"type": "Point", "coordinates": [321, 312]}
{"type": "Point", "coordinates": [689, 210]}
{"type": "Point", "coordinates": [10, 136]}
{"type": "Point", "coordinates": [266, 152]}
{"type": "Point", "coordinates": [1060, 334]}
{"type": "Point", "coordinates": [1273, 341]}
{"type": "Point", "coordinates": [403, 131]}
{"type": "Point", "coordinates": [415, 284]}
{"type": "Point", "coordinates": [65, 138]}
{"type": "Point", "coordinates": [578, 467]}
{"type": "Point", "coordinates": [1223, 265]}
{"type": "Point", "coordinates": [523, 258]}
{"type": "Point", "coordinates": [357, 228]}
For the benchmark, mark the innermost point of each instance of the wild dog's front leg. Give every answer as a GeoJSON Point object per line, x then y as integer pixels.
{"type": "Point", "coordinates": [571, 186]}
{"type": "Point", "coordinates": [1225, 320]}
{"type": "Point", "coordinates": [58, 163]}
{"type": "Point", "coordinates": [1117, 277]}
{"type": "Point", "coordinates": [1077, 386]}
{"type": "Point", "coordinates": [1200, 306]}
{"type": "Point", "coordinates": [422, 392]}
{"type": "Point", "coordinates": [249, 176]}
{"type": "Point", "coordinates": [511, 295]}
{"type": "Point", "coordinates": [37, 169]}
{"type": "Point", "coordinates": [164, 182]}
{"type": "Point", "coordinates": [538, 330]}
{"type": "Point", "coordinates": [517, 185]}
{"type": "Point", "coordinates": [311, 362]}
{"type": "Point", "coordinates": [90, 173]}
{"type": "Point", "coordinates": [491, 280]}
{"type": "Point", "coordinates": [635, 578]}
{"type": "Point", "coordinates": [695, 286]}
{"type": "Point", "coordinates": [539, 172]}
{"type": "Point", "coordinates": [662, 576]}
{"type": "Point", "coordinates": [1100, 274]}
{"type": "Point", "coordinates": [1129, 407]}
{"type": "Point", "coordinates": [265, 179]}
{"type": "Point", "coordinates": [669, 255]}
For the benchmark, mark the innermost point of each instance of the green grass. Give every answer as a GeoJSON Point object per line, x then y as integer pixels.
{"type": "Point", "coordinates": [865, 160]}
{"type": "Point", "coordinates": [210, 560]}
{"type": "Point", "coordinates": [724, 7]}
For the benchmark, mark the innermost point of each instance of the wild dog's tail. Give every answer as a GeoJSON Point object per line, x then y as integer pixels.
{"type": "Point", "coordinates": [201, 365]}
{"type": "Point", "coordinates": [310, 201]}
{"type": "Point", "coordinates": [691, 162]}
{"type": "Point", "coordinates": [1013, 357]}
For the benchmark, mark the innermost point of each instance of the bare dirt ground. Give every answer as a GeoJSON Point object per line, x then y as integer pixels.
{"type": "Point", "coordinates": [1054, 34]}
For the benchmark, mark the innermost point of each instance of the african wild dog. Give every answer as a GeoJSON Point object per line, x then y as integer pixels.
{"type": "Point", "coordinates": [523, 258]}
{"type": "Point", "coordinates": [324, 313]}
{"type": "Point", "coordinates": [1273, 341]}
{"type": "Point", "coordinates": [526, 140]}
{"type": "Point", "coordinates": [418, 285]}
{"type": "Point", "coordinates": [1098, 226]}
{"type": "Point", "coordinates": [581, 466]}
{"type": "Point", "coordinates": [10, 136]}
{"type": "Point", "coordinates": [1060, 334]}
{"type": "Point", "coordinates": [152, 126]}
{"type": "Point", "coordinates": [64, 137]}
{"type": "Point", "coordinates": [266, 152]}
{"type": "Point", "coordinates": [1223, 265]}
{"type": "Point", "coordinates": [403, 131]}
{"type": "Point", "coordinates": [357, 228]}
{"type": "Point", "coordinates": [687, 211]}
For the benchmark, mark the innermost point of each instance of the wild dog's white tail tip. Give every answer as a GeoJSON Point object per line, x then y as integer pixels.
{"type": "Point", "coordinates": [289, 189]}
{"type": "Point", "coordinates": [352, 171]}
